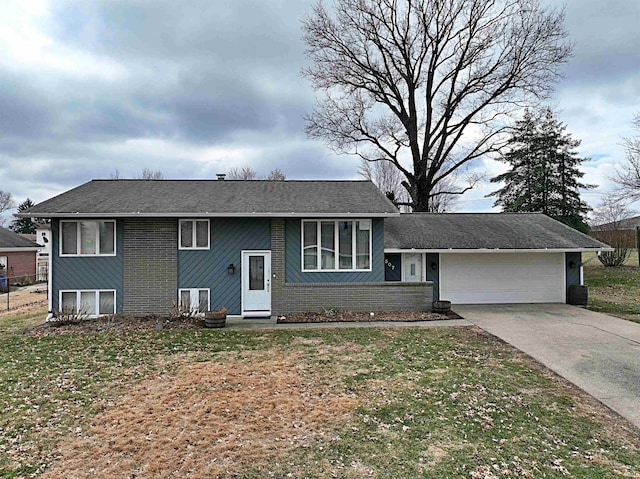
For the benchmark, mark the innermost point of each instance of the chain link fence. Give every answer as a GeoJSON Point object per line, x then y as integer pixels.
{"type": "Point", "coordinates": [18, 292]}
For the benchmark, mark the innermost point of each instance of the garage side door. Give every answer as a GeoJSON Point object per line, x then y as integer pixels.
{"type": "Point", "coordinates": [502, 278]}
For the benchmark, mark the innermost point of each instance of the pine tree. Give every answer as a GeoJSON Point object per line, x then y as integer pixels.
{"type": "Point", "coordinates": [24, 225]}
{"type": "Point", "coordinates": [544, 175]}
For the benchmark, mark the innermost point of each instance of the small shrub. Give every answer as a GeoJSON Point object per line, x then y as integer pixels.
{"type": "Point", "coordinates": [68, 316]}
{"type": "Point", "coordinates": [617, 257]}
{"type": "Point", "coordinates": [330, 312]}
{"type": "Point", "coordinates": [181, 310]}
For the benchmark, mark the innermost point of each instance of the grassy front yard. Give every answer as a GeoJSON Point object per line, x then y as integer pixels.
{"type": "Point", "coordinates": [614, 291]}
{"type": "Point", "coordinates": [352, 403]}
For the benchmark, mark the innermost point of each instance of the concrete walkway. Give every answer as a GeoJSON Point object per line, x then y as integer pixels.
{"type": "Point", "coordinates": [598, 353]}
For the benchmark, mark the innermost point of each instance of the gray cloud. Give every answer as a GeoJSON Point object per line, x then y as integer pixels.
{"type": "Point", "coordinates": [194, 88]}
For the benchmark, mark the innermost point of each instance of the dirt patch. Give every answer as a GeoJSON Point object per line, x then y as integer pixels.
{"type": "Point", "coordinates": [330, 316]}
{"type": "Point", "coordinates": [206, 420]}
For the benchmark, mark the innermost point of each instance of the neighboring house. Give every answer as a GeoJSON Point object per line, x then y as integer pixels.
{"type": "Point", "coordinates": [43, 238]}
{"type": "Point", "coordinates": [17, 258]}
{"type": "Point", "coordinates": [262, 248]}
{"type": "Point", "coordinates": [620, 233]}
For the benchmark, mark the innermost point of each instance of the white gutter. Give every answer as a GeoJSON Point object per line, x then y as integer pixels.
{"type": "Point", "coordinates": [20, 249]}
{"type": "Point", "coordinates": [497, 250]}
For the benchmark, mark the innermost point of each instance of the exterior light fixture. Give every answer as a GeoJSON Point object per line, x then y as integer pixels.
{"type": "Point", "coordinates": [231, 269]}
{"type": "Point", "coordinates": [434, 265]}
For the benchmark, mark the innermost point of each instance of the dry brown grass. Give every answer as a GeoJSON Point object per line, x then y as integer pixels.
{"type": "Point", "coordinates": [24, 299]}
{"type": "Point", "coordinates": [206, 420]}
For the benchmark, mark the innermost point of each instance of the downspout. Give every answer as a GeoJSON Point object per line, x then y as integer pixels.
{"type": "Point", "coordinates": [50, 279]}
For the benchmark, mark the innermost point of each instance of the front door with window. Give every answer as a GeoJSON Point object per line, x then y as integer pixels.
{"type": "Point", "coordinates": [412, 268]}
{"type": "Point", "coordinates": [256, 283]}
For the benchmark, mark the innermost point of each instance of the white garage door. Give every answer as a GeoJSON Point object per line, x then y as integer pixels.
{"type": "Point", "coordinates": [502, 278]}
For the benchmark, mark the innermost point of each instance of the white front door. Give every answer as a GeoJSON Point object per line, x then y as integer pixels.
{"type": "Point", "coordinates": [256, 283]}
{"type": "Point", "coordinates": [412, 268]}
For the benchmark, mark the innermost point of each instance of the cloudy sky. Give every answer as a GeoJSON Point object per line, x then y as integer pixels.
{"type": "Point", "coordinates": [194, 88]}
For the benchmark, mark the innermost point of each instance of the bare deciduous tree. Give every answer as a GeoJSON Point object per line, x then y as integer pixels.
{"type": "Point", "coordinates": [427, 82]}
{"type": "Point", "coordinates": [388, 179]}
{"type": "Point", "coordinates": [149, 174]}
{"type": "Point", "coordinates": [6, 204]}
{"type": "Point", "coordinates": [242, 173]}
{"type": "Point", "coordinates": [276, 175]}
{"type": "Point", "coordinates": [248, 173]}
{"type": "Point", "coordinates": [629, 177]}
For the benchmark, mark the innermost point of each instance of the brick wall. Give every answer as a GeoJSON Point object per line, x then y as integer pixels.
{"type": "Point", "coordinates": [355, 297]}
{"type": "Point", "coordinates": [21, 263]}
{"type": "Point", "coordinates": [295, 297]}
{"type": "Point", "coordinates": [150, 265]}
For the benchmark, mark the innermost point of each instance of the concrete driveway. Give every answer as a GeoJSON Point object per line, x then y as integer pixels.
{"type": "Point", "coordinates": [598, 353]}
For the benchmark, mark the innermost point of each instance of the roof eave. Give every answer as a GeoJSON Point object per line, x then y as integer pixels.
{"type": "Point", "coordinates": [497, 250]}
{"type": "Point", "coordinates": [140, 214]}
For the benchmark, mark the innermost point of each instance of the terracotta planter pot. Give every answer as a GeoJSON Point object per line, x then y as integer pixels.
{"type": "Point", "coordinates": [215, 319]}
{"type": "Point", "coordinates": [442, 307]}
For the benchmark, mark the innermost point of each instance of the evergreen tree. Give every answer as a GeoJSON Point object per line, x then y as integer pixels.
{"type": "Point", "coordinates": [544, 175]}
{"type": "Point", "coordinates": [24, 225]}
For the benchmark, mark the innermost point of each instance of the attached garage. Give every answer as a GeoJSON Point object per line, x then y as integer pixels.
{"type": "Point", "coordinates": [484, 258]}
{"type": "Point", "coordinates": [485, 278]}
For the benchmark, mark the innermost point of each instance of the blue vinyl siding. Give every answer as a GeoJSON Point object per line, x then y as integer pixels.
{"type": "Point", "coordinates": [86, 272]}
{"type": "Point", "coordinates": [293, 267]}
{"type": "Point", "coordinates": [208, 268]}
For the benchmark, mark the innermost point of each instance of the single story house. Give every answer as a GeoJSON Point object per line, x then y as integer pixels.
{"type": "Point", "coordinates": [17, 258]}
{"type": "Point", "coordinates": [262, 248]}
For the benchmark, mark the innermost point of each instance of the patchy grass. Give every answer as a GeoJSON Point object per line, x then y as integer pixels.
{"type": "Point", "coordinates": [614, 290]}
{"type": "Point", "coordinates": [353, 403]}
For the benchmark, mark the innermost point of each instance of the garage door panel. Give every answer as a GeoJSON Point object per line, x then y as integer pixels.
{"type": "Point", "coordinates": [502, 278]}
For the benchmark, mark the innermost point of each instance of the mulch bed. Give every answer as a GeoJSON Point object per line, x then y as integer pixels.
{"type": "Point", "coordinates": [116, 323]}
{"type": "Point", "coordinates": [126, 323]}
{"type": "Point", "coordinates": [333, 316]}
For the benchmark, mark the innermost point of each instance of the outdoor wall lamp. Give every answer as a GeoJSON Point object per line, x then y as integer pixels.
{"type": "Point", "coordinates": [434, 265]}
{"type": "Point", "coordinates": [572, 264]}
{"type": "Point", "coordinates": [231, 269]}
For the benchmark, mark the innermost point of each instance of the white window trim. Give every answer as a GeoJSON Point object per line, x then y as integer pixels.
{"type": "Point", "coordinates": [96, 291]}
{"type": "Point", "coordinates": [79, 242]}
{"type": "Point", "coordinates": [193, 235]}
{"type": "Point", "coordinates": [336, 240]}
{"type": "Point", "coordinates": [191, 294]}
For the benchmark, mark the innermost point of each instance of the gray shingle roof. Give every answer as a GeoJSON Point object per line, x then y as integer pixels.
{"type": "Point", "coordinates": [9, 239]}
{"type": "Point", "coordinates": [461, 231]}
{"type": "Point", "coordinates": [214, 197]}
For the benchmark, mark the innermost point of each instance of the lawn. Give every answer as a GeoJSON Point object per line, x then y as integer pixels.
{"type": "Point", "coordinates": [614, 291]}
{"type": "Point", "coordinates": [352, 403]}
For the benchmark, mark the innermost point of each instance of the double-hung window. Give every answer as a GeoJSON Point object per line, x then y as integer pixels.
{"type": "Point", "coordinates": [194, 300]}
{"type": "Point", "coordinates": [336, 245]}
{"type": "Point", "coordinates": [88, 302]}
{"type": "Point", "coordinates": [88, 238]}
{"type": "Point", "coordinates": [193, 234]}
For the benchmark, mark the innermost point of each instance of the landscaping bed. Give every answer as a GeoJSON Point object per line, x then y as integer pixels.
{"type": "Point", "coordinates": [115, 323]}
{"type": "Point", "coordinates": [333, 315]}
